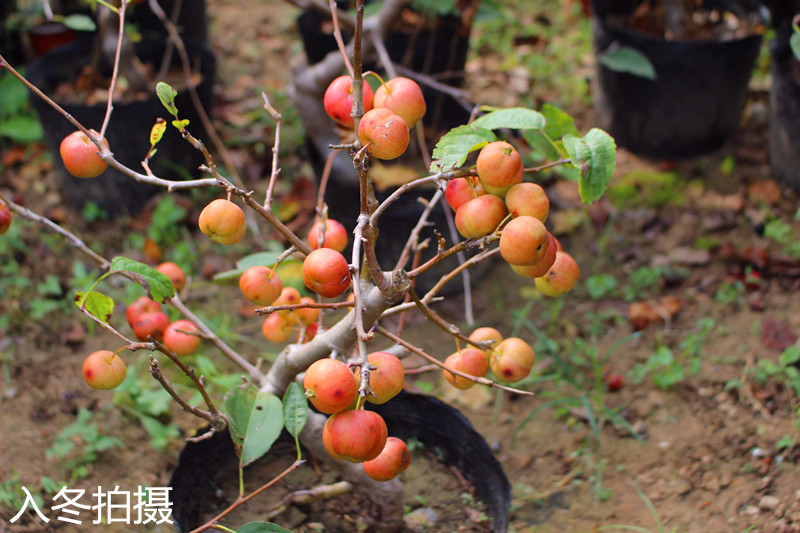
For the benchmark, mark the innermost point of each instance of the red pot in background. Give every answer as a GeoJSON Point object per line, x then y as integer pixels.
{"type": "Point", "coordinates": [49, 36]}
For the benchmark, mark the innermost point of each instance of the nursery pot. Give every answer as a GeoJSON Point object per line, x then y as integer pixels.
{"type": "Point", "coordinates": [49, 36]}
{"type": "Point", "coordinates": [440, 428]}
{"type": "Point", "coordinates": [128, 132]}
{"type": "Point", "coordinates": [694, 103]}
{"type": "Point", "coordinates": [784, 120]}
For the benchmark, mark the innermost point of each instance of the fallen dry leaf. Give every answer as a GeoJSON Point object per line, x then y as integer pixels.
{"type": "Point", "coordinates": [684, 255]}
{"type": "Point", "coordinates": [764, 191]}
{"type": "Point", "coordinates": [642, 314]}
{"type": "Point", "coordinates": [776, 334]}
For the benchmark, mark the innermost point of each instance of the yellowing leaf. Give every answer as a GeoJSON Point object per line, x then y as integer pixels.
{"type": "Point", "coordinates": [386, 176]}
{"type": "Point", "coordinates": [157, 131]}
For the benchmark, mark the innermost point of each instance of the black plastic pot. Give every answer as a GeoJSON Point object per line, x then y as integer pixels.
{"type": "Point", "coordinates": [192, 20]}
{"type": "Point", "coordinates": [784, 122]}
{"type": "Point", "coordinates": [128, 133]}
{"type": "Point", "coordinates": [695, 102]}
{"type": "Point", "coordinates": [439, 427]}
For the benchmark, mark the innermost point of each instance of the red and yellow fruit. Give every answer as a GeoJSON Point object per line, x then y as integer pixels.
{"type": "Point", "coordinates": [149, 325]}
{"type": "Point", "coordinates": [561, 277]}
{"type": "Point", "coordinates": [528, 199]}
{"type": "Point", "coordinates": [277, 327]}
{"type": "Point", "coordinates": [326, 272]}
{"type": "Point", "coordinates": [182, 337]}
{"type": "Point", "coordinates": [335, 235]}
{"type": "Point", "coordinates": [384, 132]}
{"type": "Point", "coordinates": [539, 268]}
{"type": "Point", "coordinates": [487, 334]}
{"type": "Point", "coordinates": [223, 221]}
{"type": "Point", "coordinates": [403, 97]}
{"type": "Point", "coordinates": [5, 218]}
{"type": "Point", "coordinates": [480, 216]}
{"type": "Point", "coordinates": [330, 385]}
{"type": "Point", "coordinates": [470, 361]}
{"type": "Point", "coordinates": [355, 435]}
{"type": "Point", "coordinates": [80, 155]}
{"type": "Point", "coordinates": [338, 100]}
{"type": "Point", "coordinates": [175, 274]}
{"type": "Point", "coordinates": [512, 360]}
{"type": "Point", "coordinates": [142, 304]}
{"type": "Point", "coordinates": [524, 241]}
{"type": "Point", "coordinates": [103, 370]}
{"type": "Point", "coordinates": [260, 285]}
{"type": "Point", "coordinates": [499, 167]}
{"type": "Point", "coordinates": [388, 378]}
{"type": "Point", "coordinates": [393, 459]}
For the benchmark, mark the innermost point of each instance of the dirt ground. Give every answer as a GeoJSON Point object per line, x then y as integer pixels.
{"type": "Point", "coordinates": [714, 455]}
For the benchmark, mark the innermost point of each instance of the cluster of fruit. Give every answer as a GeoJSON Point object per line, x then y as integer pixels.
{"type": "Point", "coordinates": [325, 272]}
{"type": "Point", "coordinates": [482, 205]}
{"type": "Point", "coordinates": [510, 360]}
{"type": "Point", "coordinates": [389, 112]}
{"type": "Point", "coordinates": [104, 369]}
{"type": "Point", "coordinates": [351, 432]}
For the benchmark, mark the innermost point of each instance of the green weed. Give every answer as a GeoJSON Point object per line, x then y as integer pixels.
{"type": "Point", "coordinates": [80, 444]}
{"type": "Point", "coordinates": [668, 369]}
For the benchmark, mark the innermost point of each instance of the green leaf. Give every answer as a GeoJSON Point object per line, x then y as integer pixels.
{"type": "Point", "coordinates": [97, 304]}
{"type": "Point", "coordinates": [790, 355]}
{"type": "Point", "coordinates": [595, 155]}
{"type": "Point", "coordinates": [158, 285]}
{"type": "Point", "coordinates": [263, 428]}
{"type": "Point", "coordinates": [167, 96]}
{"type": "Point", "coordinates": [256, 420]}
{"type": "Point", "coordinates": [600, 285]}
{"type": "Point", "coordinates": [21, 129]}
{"type": "Point", "coordinates": [238, 405]}
{"type": "Point", "coordinates": [454, 147]}
{"type": "Point", "coordinates": [557, 124]}
{"type": "Point", "coordinates": [15, 95]}
{"type": "Point", "coordinates": [79, 22]}
{"type": "Point", "coordinates": [262, 527]}
{"type": "Point", "coordinates": [515, 118]}
{"type": "Point", "coordinates": [295, 409]}
{"type": "Point", "coordinates": [181, 124]}
{"type": "Point", "coordinates": [794, 41]}
{"type": "Point", "coordinates": [628, 60]}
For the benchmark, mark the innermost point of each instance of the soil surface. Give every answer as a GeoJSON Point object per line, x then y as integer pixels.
{"type": "Point", "coordinates": [716, 451]}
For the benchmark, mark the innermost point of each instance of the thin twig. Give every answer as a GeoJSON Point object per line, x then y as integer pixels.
{"type": "Point", "coordinates": [239, 501]}
{"type": "Point", "coordinates": [273, 177]}
{"type": "Point", "coordinates": [337, 34]}
{"type": "Point", "coordinates": [229, 352]}
{"type": "Point", "coordinates": [291, 307]}
{"type": "Point", "coordinates": [452, 329]}
{"type": "Point", "coordinates": [158, 376]}
{"type": "Point", "coordinates": [474, 260]}
{"type": "Point", "coordinates": [398, 193]}
{"type": "Point", "coordinates": [115, 71]}
{"type": "Point", "coordinates": [190, 373]}
{"type": "Point", "coordinates": [71, 237]}
{"type": "Point", "coordinates": [453, 250]}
